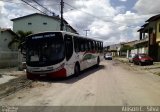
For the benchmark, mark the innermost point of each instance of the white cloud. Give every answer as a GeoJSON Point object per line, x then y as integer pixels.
{"type": "Point", "coordinates": [122, 28]}
{"type": "Point", "coordinates": [111, 27]}
{"type": "Point", "coordinates": [121, 9]}
{"type": "Point", "coordinates": [3, 16]}
{"type": "Point", "coordinates": [147, 6]}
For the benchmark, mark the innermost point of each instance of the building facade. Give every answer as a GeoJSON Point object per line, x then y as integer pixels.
{"type": "Point", "coordinates": [151, 30]}
{"type": "Point", "coordinates": [39, 23]}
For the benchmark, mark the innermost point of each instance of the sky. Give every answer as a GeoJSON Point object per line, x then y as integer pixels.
{"type": "Point", "coordinates": [112, 21]}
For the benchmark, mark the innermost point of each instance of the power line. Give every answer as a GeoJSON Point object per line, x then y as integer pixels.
{"type": "Point", "coordinates": [142, 16]}
{"type": "Point", "coordinates": [43, 7]}
{"type": "Point", "coordinates": [81, 10]}
{"type": "Point", "coordinates": [34, 7]}
{"type": "Point", "coordinates": [100, 18]}
{"type": "Point", "coordinates": [55, 4]}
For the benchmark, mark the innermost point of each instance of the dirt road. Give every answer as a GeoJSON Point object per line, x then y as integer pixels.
{"type": "Point", "coordinates": [112, 84]}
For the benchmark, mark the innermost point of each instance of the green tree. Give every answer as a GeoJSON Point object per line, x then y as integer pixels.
{"type": "Point", "coordinates": [17, 40]}
{"type": "Point", "coordinates": [124, 48]}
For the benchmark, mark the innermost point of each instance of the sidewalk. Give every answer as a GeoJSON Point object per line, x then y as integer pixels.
{"type": "Point", "coordinates": [155, 68]}
{"type": "Point", "coordinates": [12, 80]}
{"type": "Point", "coordinates": [124, 60]}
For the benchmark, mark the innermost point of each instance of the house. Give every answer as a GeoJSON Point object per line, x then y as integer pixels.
{"type": "Point", "coordinates": [39, 23]}
{"type": "Point", "coordinates": [6, 35]}
{"type": "Point", "coordinates": [8, 57]}
{"type": "Point", "coordinates": [151, 30]}
{"type": "Point", "coordinates": [126, 48]}
{"type": "Point", "coordinates": [114, 49]}
{"type": "Point", "coordinates": [138, 47]}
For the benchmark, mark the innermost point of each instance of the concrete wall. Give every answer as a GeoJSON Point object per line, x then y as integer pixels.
{"type": "Point", "coordinates": [140, 50]}
{"type": "Point", "coordinates": [37, 23]}
{"type": "Point", "coordinates": [8, 59]}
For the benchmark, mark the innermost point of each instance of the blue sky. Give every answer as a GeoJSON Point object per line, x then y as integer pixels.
{"type": "Point", "coordinates": [112, 21]}
{"type": "Point", "coordinates": [129, 4]}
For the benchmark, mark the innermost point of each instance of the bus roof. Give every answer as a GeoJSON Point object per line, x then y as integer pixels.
{"type": "Point", "coordinates": [64, 32]}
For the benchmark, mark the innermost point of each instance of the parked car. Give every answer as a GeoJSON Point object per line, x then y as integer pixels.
{"type": "Point", "coordinates": [108, 56]}
{"type": "Point", "coordinates": [142, 59]}
{"type": "Point", "coordinates": [130, 57]}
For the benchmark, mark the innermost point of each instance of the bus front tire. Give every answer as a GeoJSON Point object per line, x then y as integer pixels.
{"type": "Point", "coordinates": [76, 70]}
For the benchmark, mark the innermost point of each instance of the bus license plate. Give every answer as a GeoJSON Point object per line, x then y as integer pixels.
{"type": "Point", "coordinates": [43, 75]}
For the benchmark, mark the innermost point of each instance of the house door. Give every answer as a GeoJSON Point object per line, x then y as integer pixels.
{"type": "Point", "coordinates": [153, 51]}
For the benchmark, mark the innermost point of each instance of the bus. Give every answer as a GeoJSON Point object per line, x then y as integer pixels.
{"type": "Point", "coordinates": [60, 54]}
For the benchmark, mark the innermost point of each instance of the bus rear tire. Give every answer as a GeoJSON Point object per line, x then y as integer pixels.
{"type": "Point", "coordinates": [76, 70]}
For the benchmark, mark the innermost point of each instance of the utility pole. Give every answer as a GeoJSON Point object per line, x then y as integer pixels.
{"type": "Point", "coordinates": [61, 25]}
{"type": "Point", "coordinates": [86, 32]}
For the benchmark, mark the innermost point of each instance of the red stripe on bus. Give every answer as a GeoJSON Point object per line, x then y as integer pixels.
{"type": "Point", "coordinates": [58, 74]}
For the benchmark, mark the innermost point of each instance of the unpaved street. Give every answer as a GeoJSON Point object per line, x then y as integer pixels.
{"type": "Point", "coordinates": [111, 84]}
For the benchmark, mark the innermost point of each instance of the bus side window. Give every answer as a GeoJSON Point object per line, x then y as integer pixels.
{"type": "Point", "coordinates": [90, 45]}
{"type": "Point", "coordinates": [79, 43]}
{"type": "Point", "coordinates": [96, 46]}
{"type": "Point", "coordinates": [82, 44]}
{"type": "Point", "coordinates": [101, 47]}
{"type": "Point", "coordinates": [86, 45]}
{"type": "Point", "coordinates": [68, 46]}
{"type": "Point", "coordinates": [76, 45]}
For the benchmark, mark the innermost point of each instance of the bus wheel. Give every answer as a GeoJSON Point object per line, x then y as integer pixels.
{"type": "Point", "coordinates": [76, 70]}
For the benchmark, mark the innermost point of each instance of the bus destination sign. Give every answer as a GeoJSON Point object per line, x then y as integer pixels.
{"type": "Point", "coordinates": [43, 36]}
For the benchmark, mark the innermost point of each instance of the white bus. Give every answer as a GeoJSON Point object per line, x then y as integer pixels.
{"type": "Point", "coordinates": [60, 54]}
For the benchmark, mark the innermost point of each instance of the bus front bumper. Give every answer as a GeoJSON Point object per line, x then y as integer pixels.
{"type": "Point", "coordinates": [57, 74]}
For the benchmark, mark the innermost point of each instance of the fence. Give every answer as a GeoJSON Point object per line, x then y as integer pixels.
{"type": "Point", "coordinates": [9, 59]}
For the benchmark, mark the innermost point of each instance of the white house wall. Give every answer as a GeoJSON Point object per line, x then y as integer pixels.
{"type": "Point", "coordinates": [134, 51]}
{"type": "Point", "coordinates": [36, 24]}
{"type": "Point", "coordinates": [140, 50]}
{"type": "Point", "coordinates": [5, 38]}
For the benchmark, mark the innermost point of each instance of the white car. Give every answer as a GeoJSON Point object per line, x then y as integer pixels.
{"type": "Point", "coordinates": [131, 56]}
{"type": "Point", "coordinates": [108, 56]}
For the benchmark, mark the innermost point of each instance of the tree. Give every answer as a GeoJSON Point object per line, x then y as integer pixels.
{"type": "Point", "coordinates": [20, 38]}
{"type": "Point", "coordinates": [124, 48]}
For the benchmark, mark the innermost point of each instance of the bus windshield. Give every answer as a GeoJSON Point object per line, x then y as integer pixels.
{"type": "Point", "coordinates": [45, 51]}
